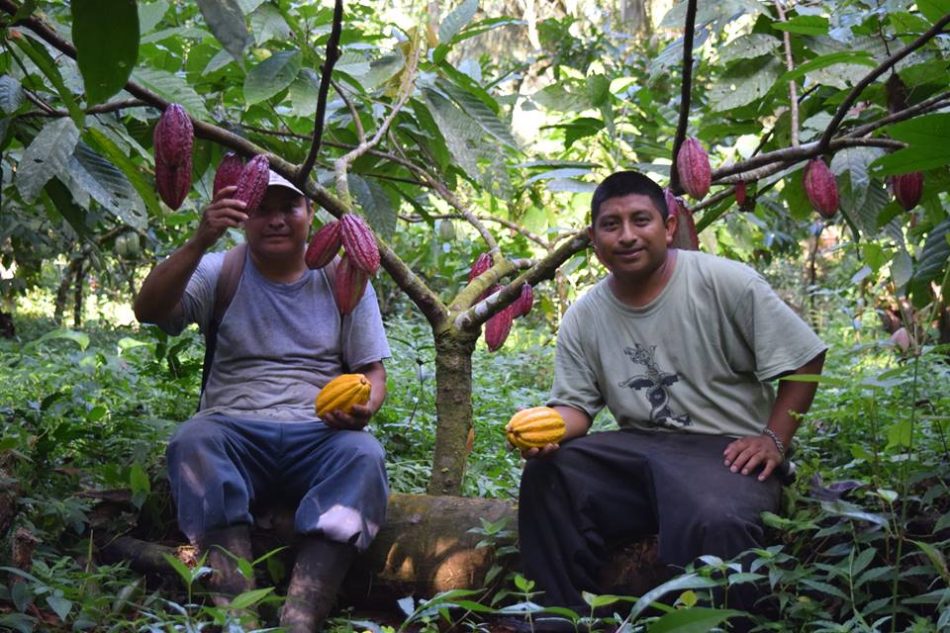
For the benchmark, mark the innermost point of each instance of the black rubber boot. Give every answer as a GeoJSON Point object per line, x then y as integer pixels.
{"type": "Point", "coordinates": [318, 573]}
{"type": "Point", "coordinates": [226, 581]}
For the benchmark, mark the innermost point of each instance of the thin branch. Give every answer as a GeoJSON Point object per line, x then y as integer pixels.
{"type": "Point", "coordinates": [360, 133]}
{"type": "Point", "coordinates": [928, 105]}
{"type": "Point", "coordinates": [790, 65]}
{"type": "Point", "coordinates": [102, 108]}
{"type": "Point", "coordinates": [537, 239]}
{"type": "Point", "coordinates": [685, 90]}
{"type": "Point", "coordinates": [405, 91]}
{"type": "Point", "coordinates": [544, 269]}
{"type": "Point", "coordinates": [935, 30]}
{"type": "Point", "coordinates": [332, 54]}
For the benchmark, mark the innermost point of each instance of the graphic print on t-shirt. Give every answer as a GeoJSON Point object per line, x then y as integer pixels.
{"type": "Point", "coordinates": [657, 384]}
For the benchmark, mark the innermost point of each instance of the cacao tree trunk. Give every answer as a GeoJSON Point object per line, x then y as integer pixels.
{"type": "Point", "coordinates": [453, 403]}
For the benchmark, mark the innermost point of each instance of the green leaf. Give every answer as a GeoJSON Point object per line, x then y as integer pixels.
{"type": "Point", "coordinates": [106, 49]}
{"type": "Point", "coordinates": [271, 76]}
{"type": "Point", "coordinates": [11, 94]}
{"type": "Point", "coordinates": [744, 83]}
{"type": "Point", "coordinates": [693, 620]}
{"type": "Point", "coordinates": [748, 47]}
{"type": "Point", "coordinates": [151, 14]}
{"type": "Point", "coordinates": [928, 139]}
{"type": "Point", "coordinates": [680, 583]}
{"type": "Point", "coordinates": [935, 255]}
{"type": "Point", "coordinates": [375, 204]}
{"type": "Point", "coordinates": [226, 20]}
{"type": "Point", "coordinates": [857, 190]}
{"type": "Point", "coordinates": [46, 156]}
{"type": "Point", "coordinates": [902, 268]}
{"type": "Point", "coordinates": [41, 58]}
{"type": "Point", "coordinates": [106, 184]}
{"type": "Point", "coordinates": [180, 568]}
{"type": "Point", "coordinates": [60, 605]}
{"type": "Point", "coordinates": [481, 113]}
{"type": "Point", "coordinates": [804, 25]}
{"type": "Point", "coordinates": [250, 598]}
{"type": "Point", "coordinates": [171, 87]}
{"type": "Point", "coordinates": [303, 93]}
{"type": "Point", "coordinates": [267, 23]}
{"type": "Point", "coordinates": [461, 133]}
{"type": "Point", "coordinates": [933, 10]}
{"type": "Point", "coordinates": [456, 20]}
{"type": "Point", "coordinates": [144, 187]}
{"type": "Point", "coordinates": [860, 58]}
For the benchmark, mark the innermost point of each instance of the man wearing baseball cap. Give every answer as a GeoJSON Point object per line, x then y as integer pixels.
{"type": "Point", "coordinates": [276, 338]}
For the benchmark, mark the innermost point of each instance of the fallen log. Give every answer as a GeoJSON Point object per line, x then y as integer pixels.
{"type": "Point", "coordinates": [427, 546]}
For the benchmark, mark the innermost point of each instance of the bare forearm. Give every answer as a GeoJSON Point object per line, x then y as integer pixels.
{"type": "Point", "coordinates": [576, 422]}
{"type": "Point", "coordinates": [793, 400]}
{"type": "Point", "coordinates": [376, 374]}
{"type": "Point", "coordinates": [164, 287]}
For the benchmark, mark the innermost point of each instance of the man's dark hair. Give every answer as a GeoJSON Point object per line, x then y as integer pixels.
{"type": "Point", "coordinates": [624, 183]}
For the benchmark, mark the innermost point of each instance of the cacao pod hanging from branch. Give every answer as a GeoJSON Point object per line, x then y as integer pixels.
{"type": "Point", "coordinates": [685, 237]}
{"type": "Point", "coordinates": [253, 182]}
{"type": "Point", "coordinates": [349, 284]}
{"type": "Point", "coordinates": [498, 326]}
{"type": "Point", "coordinates": [908, 188]}
{"type": "Point", "coordinates": [324, 245]}
{"type": "Point", "coordinates": [692, 166]}
{"type": "Point", "coordinates": [821, 188]}
{"type": "Point", "coordinates": [360, 243]}
{"type": "Point", "coordinates": [228, 173]}
{"type": "Point", "coordinates": [524, 302]}
{"type": "Point", "coordinates": [173, 141]}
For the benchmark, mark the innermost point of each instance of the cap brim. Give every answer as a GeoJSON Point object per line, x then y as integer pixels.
{"type": "Point", "coordinates": [276, 180]}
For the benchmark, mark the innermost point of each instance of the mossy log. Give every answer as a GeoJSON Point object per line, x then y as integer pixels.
{"type": "Point", "coordinates": [426, 547]}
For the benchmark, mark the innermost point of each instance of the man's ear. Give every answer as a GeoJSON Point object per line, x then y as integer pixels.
{"type": "Point", "coordinates": [672, 222]}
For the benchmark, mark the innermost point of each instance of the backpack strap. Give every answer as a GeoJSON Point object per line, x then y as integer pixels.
{"type": "Point", "coordinates": [224, 289]}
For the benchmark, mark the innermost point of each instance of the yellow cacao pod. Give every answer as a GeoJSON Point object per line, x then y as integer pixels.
{"type": "Point", "coordinates": [342, 393]}
{"type": "Point", "coordinates": [535, 427]}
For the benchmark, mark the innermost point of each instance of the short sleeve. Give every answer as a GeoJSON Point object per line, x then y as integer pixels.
{"type": "Point", "coordinates": [780, 339]}
{"type": "Point", "coordinates": [364, 338]}
{"type": "Point", "coordinates": [198, 300]}
{"type": "Point", "coordinates": [575, 381]}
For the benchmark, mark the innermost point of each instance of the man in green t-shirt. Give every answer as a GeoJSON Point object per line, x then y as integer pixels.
{"type": "Point", "coordinates": [682, 347]}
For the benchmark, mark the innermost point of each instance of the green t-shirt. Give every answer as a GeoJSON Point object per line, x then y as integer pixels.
{"type": "Point", "coordinates": [696, 359]}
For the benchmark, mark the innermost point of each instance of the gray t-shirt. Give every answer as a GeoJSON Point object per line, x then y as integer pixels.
{"type": "Point", "coordinates": [695, 359]}
{"type": "Point", "coordinates": [278, 344]}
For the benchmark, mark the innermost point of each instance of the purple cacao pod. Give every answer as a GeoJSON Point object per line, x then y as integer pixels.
{"type": "Point", "coordinates": [908, 188]}
{"type": "Point", "coordinates": [360, 243]}
{"type": "Point", "coordinates": [349, 284]}
{"type": "Point", "coordinates": [173, 137]}
{"type": "Point", "coordinates": [228, 173]}
{"type": "Point", "coordinates": [324, 245]}
{"type": "Point", "coordinates": [821, 188]}
{"type": "Point", "coordinates": [692, 166]}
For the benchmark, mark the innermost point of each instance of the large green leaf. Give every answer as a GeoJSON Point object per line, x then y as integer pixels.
{"type": "Point", "coordinates": [748, 47]}
{"type": "Point", "coordinates": [850, 165]}
{"type": "Point", "coordinates": [173, 88]}
{"type": "Point", "coordinates": [107, 185]}
{"type": "Point", "coordinates": [680, 583]}
{"type": "Point", "coordinates": [375, 204]}
{"type": "Point", "coordinates": [928, 138]}
{"type": "Point", "coordinates": [744, 83]}
{"type": "Point", "coordinates": [303, 92]}
{"type": "Point", "coordinates": [267, 23]}
{"type": "Point", "coordinates": [106, 49]}
{"type": "Point", "coordinates": [41, 58]}
{"type": "Point", "coordinates": [271, 76]}
{"type": "Point", "coordinates": [150, 14]}
{"type": "Point", "coordinates": [692, 620]}
{"type": "Point", "coordinates": [476, 109]}
{"type": "Point", "coordinates": [706, 12]}
{"type": "Point", "coordinates": [47, 155]}
{"type": "Point", "coordinates": [226, 20]}
{"type": "Point", "coordinates": [456, 20]}
{"type": "Point", "coordinates": [934, 256]}
{"type": "Point", "coordinates": [143, 186]}
{"type": "Point", "coordinates": [460, 131]}
{"type": "Point", "coordinates": [11, 94]}
{"type": "Point", "coordinates": [804, 25]}
{"type": "Point", "coordinates": [861, 58]}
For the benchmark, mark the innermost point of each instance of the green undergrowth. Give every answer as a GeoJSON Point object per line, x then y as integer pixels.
{"type": "Point", "coordinates": [860, 546]}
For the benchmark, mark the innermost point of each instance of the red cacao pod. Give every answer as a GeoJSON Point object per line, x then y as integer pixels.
{"type": "Point", "coordinates": [173, 183]}
{"type": "Point", "coordinates": [524, 302]}
{"type": "Point", "coordinates": [173, 137]}
{"type": "Point", "coordinates": [685, 237]}
{"type": "Point", "coordinates": [482, 263]}
{"type": "Point", "coordinates": [692, 165]}
{"type": "Point", "coordinates": [908, 188]}
{"type": "Point", "coordinates": [324, 245]}
{"type": "Point", "coordinates": [348, 285]}
{"type": "Point", "coordinates": [360, 242]}
{"type": "Point", "coordinates": [498, 326]}
{"type": "Point", "coordinates": [228, 173]}
{"type": "Point", "coordinates": [253, 182]}
{"type": "Point", "coordinates": [741, 193]}
{"type": "Point", "coordinates": [821, 188]}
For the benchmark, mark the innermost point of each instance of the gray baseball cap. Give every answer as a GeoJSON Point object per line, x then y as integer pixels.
{"type": "Point", "coordinates": [276, 180]}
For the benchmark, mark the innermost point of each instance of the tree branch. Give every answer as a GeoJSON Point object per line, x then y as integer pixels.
{"type": "Point", "coordinates": [537, 239]}
{"type": "Point", "coordinates": [102, 108]}
{"type": "Point", "coordinates": [790, 66]}
{"type": "Point", "coordinates": [360, 133]}
{"type": "Point", "coordinates": [332, 54]}
{"type": "Point", "coordinates": [933, 103]}
{"type": "Point", "coordinates": [685, 90]}
{"type": "Point", "coordinates": [825, 142]}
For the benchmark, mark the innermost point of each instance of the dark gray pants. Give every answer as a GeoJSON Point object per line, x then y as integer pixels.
{"type": "Point", "coordinates": [220, 467]}
{"type": "Point", "coordinates": [618, 484]}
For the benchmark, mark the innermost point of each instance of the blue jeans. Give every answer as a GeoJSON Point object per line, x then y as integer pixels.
{"type": "Point", "coordinates": [220, 467]}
